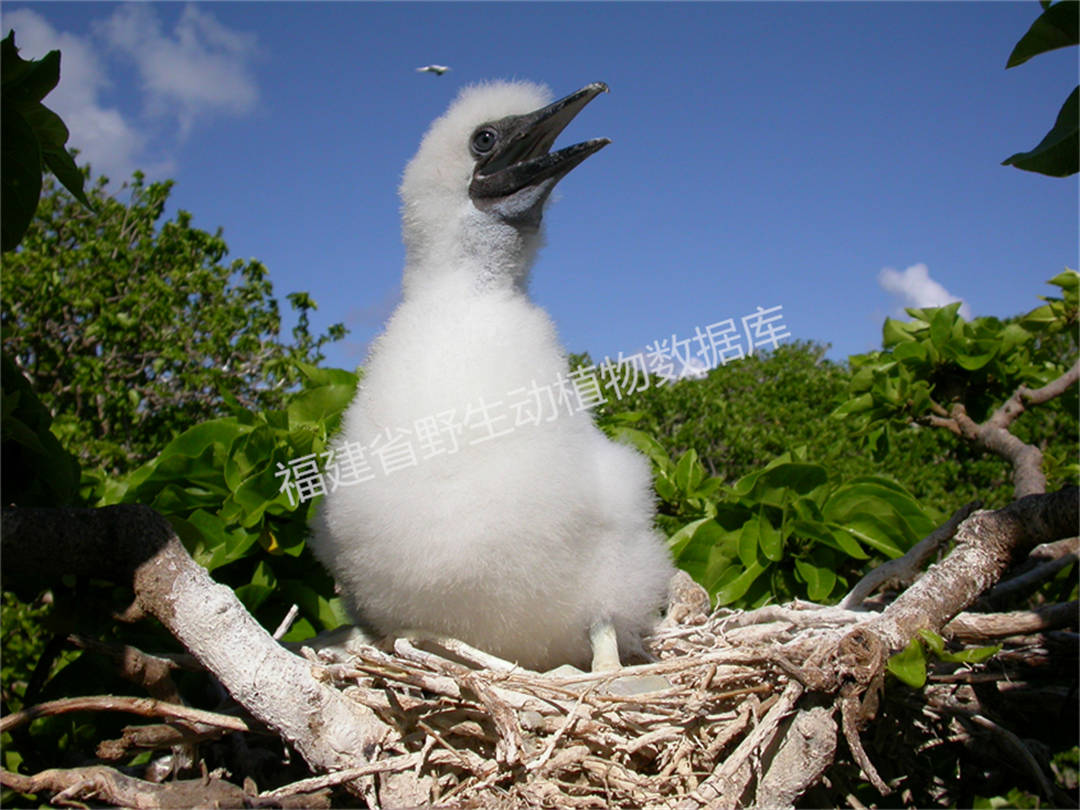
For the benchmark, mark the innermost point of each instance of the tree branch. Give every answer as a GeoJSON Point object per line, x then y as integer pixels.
{"type": "Point", "coordinates": [982, 626]}
{"type": "Point", "coordinates": [133, 545]}
{"type": "Point", "coordinates": [986, 544]}
{"type": "Point", "coordinates": [994, 435]}
{"type": "Point", "coordinates": [146, 707]}
{"type": "Point", "coordinates": [907, 567]}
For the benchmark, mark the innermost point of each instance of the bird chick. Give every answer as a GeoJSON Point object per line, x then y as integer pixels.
{"type": "Point", "coordinates": [516, 525]}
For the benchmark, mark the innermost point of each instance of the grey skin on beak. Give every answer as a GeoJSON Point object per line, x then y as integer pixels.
{"type": "Point", "coordinates": [515, 171]}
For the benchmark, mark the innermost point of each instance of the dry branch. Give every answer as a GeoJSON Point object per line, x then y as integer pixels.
{"type": "Point", "coordinates": [1042, 564]}
{"type": "Point", "coordinates": [153, 673]}
{"type": "Point", "coordinates": [994, 435]}
{"type": "Point", "coordinates": [146, 707]}
{"type": "Point", "coordinates": [906, 568]}
{"type": "Point", "coordinates": [133, 545]}
{"type": "Point", "coordinates": [976, 627]}
{"type": "Point", "coordinates": [986, 544]}
{"type": "Point", "coordinates": [100, 783]}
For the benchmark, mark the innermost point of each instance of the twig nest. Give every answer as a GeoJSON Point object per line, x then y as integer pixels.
{"type": "Point", "coordinates": [505, 736]}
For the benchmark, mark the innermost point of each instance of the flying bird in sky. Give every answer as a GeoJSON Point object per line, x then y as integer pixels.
{"type": "Point", "coordinates": [438, 70]}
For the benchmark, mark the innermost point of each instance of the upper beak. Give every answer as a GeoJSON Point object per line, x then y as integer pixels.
{"type": "Point", "coordinates": [521, 157]}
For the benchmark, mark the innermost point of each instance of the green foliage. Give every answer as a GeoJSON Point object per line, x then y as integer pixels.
{"type": "Point", "coordinates": [909, 665]}
{"type": "Point", "coordinates": [780, 532]}
{"type": "Point", "coordinates": [1058, 153]}
{"type": "Point", "coordinates": [38, 470]}
{"type": "Point", "coordinates": [747, 412]}
{"type": "Point", "coordinates": [33, 137]}
{"type": "Point", "coordinates": [810, 521]}
{"type": "Point", "coordinates": [938, 360]}
{"type": "Point", "coordinates": [221, 485]}
{"type": "Point", "coordinates": [131, 330]}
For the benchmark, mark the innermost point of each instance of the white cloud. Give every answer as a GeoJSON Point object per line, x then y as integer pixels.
{"type": "Point", "coordinates": [200, 67]}
{"type": "Point", "coordinates": [105, 140]}
{"type": "Point", "coordinates": [915, 288]}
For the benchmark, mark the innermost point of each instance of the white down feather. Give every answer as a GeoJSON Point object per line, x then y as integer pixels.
{"type": "Point", "coordinates": [515, 544]}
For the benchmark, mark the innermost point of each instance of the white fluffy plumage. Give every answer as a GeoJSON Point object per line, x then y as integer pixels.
{"type": "Point", "coordinates": [520, 543]}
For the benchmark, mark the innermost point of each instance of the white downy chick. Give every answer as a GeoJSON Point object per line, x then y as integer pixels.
{"type": "Point", "coordinates": [507, 519]}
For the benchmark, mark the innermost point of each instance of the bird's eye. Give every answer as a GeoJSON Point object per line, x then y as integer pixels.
{"type": "Point", "coordinates": [483, 141]}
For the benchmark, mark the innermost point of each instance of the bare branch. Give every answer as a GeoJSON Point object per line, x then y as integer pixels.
{"type": "Point", "coordinates": [983, 626]}
{"type": "Point", "coordinates": [155, 737]}
{"type": "Point", "coordinates": [906, 568]}
{"type": "Point", "coordinates": [134, 545]}
{"type": "Point", "coordinates": [986, 544]}
{"type": "Point", "coordinates": [725, 786]}
{"type": "Point", "coordinates": [146, 707]}
{"type": "Point", "coordinates": [808, 748]}
{"type": "Point", "coordinates": [100, 783]}
{"type": "Point", "coordinates": [1052, 389]}
{"type": "Point", "coordinates": [1026, 460]}
{"type": "Point", "coordinates": [1031, 578]}
{"type": "Point", "coordinates": [148, 671]}
{"type": "Point", "coordinates": [994, 435]}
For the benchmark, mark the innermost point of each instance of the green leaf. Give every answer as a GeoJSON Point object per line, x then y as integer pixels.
{"type": "Point", "coordinates": [837, 539]}
{"type": "Point", "coordinates": [911, 350]}
{"type": "Point", "coordinates": [970, 362]}
{"type": "Point", "coordinates": [249, 453]}
{"type": "Point", "coordinates": [1066, 280]}
{"type": "Point", "coordinates": [1058, 153]}
{"type": "Point", "coordinates": [736, 581]}
{"type": "Point", "coordinates": [26, 80]}
{"type": "Point", "coordinates": [195, 440]}
{"type": "Point", "coordinates": [770, 540]}
{"type": "Point", "coordinates": [249, 502]}
{"type": "Point", "coordinates": [688, 471]}
{"type": "Point", "coordinates": [819, 579]}
{"type": "Point", "coordinates": [326, 612]}
{"type": "Point", "coordinates": [318, 404]}
{"type": "Point", "coordinates": [895, 332]}
{"type": "Point", "coordinates": [971, 655]}
{"type": "Point", "coordinates": [884, 499]}
{"type": "Point", "coordinates": [1011, 336]}
{"type": "Point", "coordinates": [680, 539]}
{"type": "Point", "coordinates": [748, 541]}
{"type": "Point", "coordinates": [317, 376]}
{"type": "Point", "coordinates": [20, 177]}
{"type": "Point", "coordinates": [877, 533]}
{"type": "Point", "coordinates": [863, 402]}
{"type": "Point", "coordinates": [262, 586]}
{"type": "Point", "coordinates": [645, 443]}
{"type": "Point", "coordinates": [941, 327]}
{"type": "Point", "coordinates": [1038, 319]}
{"type": "Point", "coordinates": [1055, 28]}
{"type": "Point", "coordinates": [774, 484]}
{"type": "Point", "coordinates": [665, 488]}
{"type": "Point", "coordinates": [909, 665]}
{"type": "Point", "coordinates": [61, 164]}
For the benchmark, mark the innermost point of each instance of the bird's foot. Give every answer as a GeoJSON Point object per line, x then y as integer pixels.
{"type": "Point", "coordinates": [605, 659]}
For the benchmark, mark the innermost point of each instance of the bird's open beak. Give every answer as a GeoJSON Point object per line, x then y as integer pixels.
{"type": "Point", "coordinates": [521, 157]}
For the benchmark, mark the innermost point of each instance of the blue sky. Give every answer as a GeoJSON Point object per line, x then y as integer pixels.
{"type": "Point", "coordinates": [840, 160]}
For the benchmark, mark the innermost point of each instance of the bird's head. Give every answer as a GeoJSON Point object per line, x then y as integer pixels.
{"type": "Point", "coordinates": [475, 191]}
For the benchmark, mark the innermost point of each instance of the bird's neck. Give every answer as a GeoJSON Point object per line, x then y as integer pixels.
{"type": "Point", "coordinates": [486, 255]}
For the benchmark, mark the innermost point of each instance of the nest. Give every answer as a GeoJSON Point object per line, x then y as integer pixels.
{"type": "Point", "coordinates": [476, 732]}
